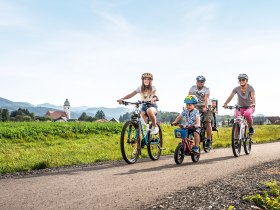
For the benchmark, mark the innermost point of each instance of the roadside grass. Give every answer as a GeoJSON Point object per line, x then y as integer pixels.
{"type": "Point", "coordinates": [267, 199]}
{"type": "Point", "coordinates": [31, 146]}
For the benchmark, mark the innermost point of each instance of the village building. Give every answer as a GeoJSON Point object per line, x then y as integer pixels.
{"type": "Point", "coordinates": [60, 116]}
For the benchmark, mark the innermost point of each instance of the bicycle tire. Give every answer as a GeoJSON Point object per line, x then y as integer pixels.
{"type": "Point", "coordinates": [203, 139]}
{"type": "Point", "coordinates": [179, 154]}
{"type": "Point", "coordinates": [247, 143]}
{"type": "Point", "coordinates": [195, 157]}
{"type": "Point", "coordinates": [130, 142]}
{"type": "Point", "coordinates": [235, 141]}
{"type": "Point", "coordinates": [154, 146]}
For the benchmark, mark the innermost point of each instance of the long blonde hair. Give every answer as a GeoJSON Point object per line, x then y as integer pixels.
{"type": "Point", "coordinates": [147, 89]}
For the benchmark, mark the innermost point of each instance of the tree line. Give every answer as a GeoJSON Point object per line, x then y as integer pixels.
{"type": "Point", "coordinates": [25, 115]}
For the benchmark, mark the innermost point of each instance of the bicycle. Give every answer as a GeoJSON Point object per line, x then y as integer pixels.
{"type": "Point", "coordinates": [240, 133]}
{"type": "Point", "coordinates": [203, 134]}
{"type": "Point", "coordinates": [186, 144]}
{"type": "Point", "coordinates": [134, 136]}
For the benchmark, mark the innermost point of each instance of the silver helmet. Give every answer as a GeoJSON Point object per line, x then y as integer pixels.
{"type": "Point", "coordinates": [200, 78]}
{"type": "Point", "coordinates": [243, 76]}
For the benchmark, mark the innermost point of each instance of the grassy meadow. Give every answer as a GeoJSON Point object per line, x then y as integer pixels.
{"type": "Point", "coordinates": [26, 146]}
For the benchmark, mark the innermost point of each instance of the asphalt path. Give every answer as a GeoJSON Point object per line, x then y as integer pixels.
{"type": "Point", "coordinates": [123, 186]}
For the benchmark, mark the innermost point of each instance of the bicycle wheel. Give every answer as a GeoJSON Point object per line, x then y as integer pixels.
{"type": "Point", "coordinates": [130, 142]}
{"type": "Point", "coordinates": [235, 141]}
{"type": "Point", "coordinates": [195, 156]}
{"type": "Point", "coordinates": [154, 146]}
{"type": "Point", "coordinates": [247, 142]}
{"type": "Point", "coordinates": [179, 154]}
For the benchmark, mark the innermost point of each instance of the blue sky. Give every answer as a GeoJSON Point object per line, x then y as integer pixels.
{"type": "Point", "coordinates": [93, 52]}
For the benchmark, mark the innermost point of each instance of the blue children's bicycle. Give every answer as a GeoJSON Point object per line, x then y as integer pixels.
{"type": "Point", "coordinates": [185, 146]}
{"type": "Point", "coordinates": [136, 135]}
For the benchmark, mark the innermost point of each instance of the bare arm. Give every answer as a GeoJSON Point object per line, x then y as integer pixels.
{"type": "Point", "coordinates": [127, 96]}
{"type": "Point", "coordinates": [253, 96]}
{"type": "Point", "coordinates": [206, 101]}
{"type": "Point", "coordinates": [178, 118]}
{"type": "Point", "coordinates": [197, 122]}
{"type": "Point", "coordinates": [154, 98]}
{"type": "Point", "coordinates": [229, 99]}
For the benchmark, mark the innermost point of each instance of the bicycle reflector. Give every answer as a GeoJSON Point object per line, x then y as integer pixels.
{"type": "Point", "coordinates": [181, 133]}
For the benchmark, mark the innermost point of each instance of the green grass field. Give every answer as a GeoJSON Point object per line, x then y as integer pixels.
{"type": "Point", "coordinates": [38, 145]}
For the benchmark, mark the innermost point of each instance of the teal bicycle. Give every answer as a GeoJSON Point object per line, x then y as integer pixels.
{"type": "Point", "coordinates": [136, 135]}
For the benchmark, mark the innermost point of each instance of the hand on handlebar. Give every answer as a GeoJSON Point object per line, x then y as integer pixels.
{"type": "Point", "coordinates": [120, 101]}
{"type": "Point", "coordinates": [174, 123]}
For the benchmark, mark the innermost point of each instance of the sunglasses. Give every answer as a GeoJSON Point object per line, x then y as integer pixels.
{"type": "Point", "coordinates": [242, 80]}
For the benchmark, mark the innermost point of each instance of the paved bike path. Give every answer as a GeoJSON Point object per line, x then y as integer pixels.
{"type": "Point", "coordinates": [123, 186]}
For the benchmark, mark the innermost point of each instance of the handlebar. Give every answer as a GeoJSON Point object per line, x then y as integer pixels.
{"type": "Point", "coordinates": [182, 126]}
{"type": "Point", "coordinates": [238, 107]}
{"type": "Point", "coordinates": [136, 103]}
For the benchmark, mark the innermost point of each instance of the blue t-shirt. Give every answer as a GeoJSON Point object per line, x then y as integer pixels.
{"type": "Point", "coordinates": [190, 116]}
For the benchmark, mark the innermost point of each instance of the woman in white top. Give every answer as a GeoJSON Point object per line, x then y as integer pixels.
{"type": "Point", "coordinates": [148, 93]}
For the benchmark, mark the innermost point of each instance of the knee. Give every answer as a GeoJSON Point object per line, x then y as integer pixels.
{"type": "Point", "coordinates": [247, 115]}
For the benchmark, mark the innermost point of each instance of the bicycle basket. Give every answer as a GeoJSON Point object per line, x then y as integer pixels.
{"type": "Point", "coordinates": [181, 133]}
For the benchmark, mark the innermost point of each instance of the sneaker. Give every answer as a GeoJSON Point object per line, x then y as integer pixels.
{"type": "Point", "coordinates": [251, 131]}
{"type": "Point", "coordinates": [154, 130]}
{"type": "Point", "coordinates": [195, 149]}
{"type": "Point", "coordinates": [208, 143]}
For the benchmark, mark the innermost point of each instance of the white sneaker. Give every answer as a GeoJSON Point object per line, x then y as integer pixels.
{"type": "Point", "coordinates": [154, 130]}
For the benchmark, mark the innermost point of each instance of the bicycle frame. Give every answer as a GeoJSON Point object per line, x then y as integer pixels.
{"type": "Point", "coordinates": [243, 137]}
{"type": "Point", "coordinates": [185, 147]}
{"type": "Point", "coordinates": [241, 120]}
{"type": "Point", "coordinates": [134, 134]}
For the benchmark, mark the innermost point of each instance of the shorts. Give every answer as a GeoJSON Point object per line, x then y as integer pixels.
{"type": "Point", "coordinates": [145, 107]}
{"type": "Point", "coordinates": [195, 130]}
{"type": "Point", "coordinates": [207, 116]}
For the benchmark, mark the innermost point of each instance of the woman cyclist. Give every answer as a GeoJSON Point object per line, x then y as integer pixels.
{"type": "Point", "coordinates": [246, 99]}
{"type": "Point", "coordinates": [148, 93]}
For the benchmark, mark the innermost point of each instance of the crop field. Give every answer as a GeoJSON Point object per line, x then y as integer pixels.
{"type": "Point", "coordinates": [26, 146]}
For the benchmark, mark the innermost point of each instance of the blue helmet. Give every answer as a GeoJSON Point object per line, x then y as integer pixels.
{"type": "Point", "coordinates": [191, 99]}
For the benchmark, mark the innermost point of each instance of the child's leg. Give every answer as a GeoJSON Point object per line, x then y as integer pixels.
{"type": "Point", "coordinates": [152, 115]}
{"type": "Point", "coordinates": [196, 139]}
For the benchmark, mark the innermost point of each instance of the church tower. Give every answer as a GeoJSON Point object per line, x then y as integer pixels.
{"type": "Point", "coordinates": [66, 107]}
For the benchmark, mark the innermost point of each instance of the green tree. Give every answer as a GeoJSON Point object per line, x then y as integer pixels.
{"type": "Point", "coordinates": [22, 115]}
{"type": "Point", "coordinates": [99, 115]}
{"type": "Point", "coordinates": [83, 117]}
{"type": "Point", "coordinates": [4, 115]}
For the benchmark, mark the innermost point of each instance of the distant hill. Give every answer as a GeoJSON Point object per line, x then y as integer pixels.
{"type": "Point", "coordinates": [41, 109]}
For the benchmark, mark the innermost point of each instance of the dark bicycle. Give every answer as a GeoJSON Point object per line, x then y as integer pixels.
{"type": "Point", "coordinates": [136, 135]}
{"type": "Point", "coordinates": [240, 134]}
{"type": "Point", "coordinates": [203, 138]}
{"type": "Point", "coordinates": [185, 146]}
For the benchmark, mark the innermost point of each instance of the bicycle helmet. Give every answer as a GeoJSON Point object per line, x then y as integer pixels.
{"type": "Point", "coordinates": [147, 75]}
{"type": "Point", "coordinates": [242, 76]}
{"type": "Point", "coordinates": [191, 99]}
{"type": "Point", "coordinates": [200, 78]}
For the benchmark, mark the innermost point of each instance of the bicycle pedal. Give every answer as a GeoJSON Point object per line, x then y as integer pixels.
{"type": "Point", "coordinates": [161, 148]}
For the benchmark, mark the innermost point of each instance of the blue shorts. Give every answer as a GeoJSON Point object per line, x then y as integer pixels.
{"type": "Point", "coordinates": [145, 107]}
